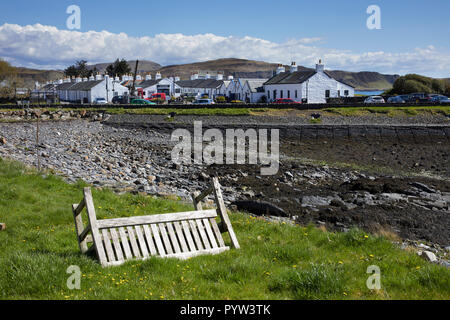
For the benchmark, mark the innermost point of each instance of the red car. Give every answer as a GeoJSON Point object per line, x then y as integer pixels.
{"type": "Point", "coordinates": [286, 101]}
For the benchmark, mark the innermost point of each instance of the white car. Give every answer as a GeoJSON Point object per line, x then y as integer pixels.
{"type": "Point", "coordinates": [374, 99]}
{"type": "Point", "coordinates": [101, 101]}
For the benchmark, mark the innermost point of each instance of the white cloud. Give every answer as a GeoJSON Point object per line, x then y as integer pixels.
{"type": "Point", "coordinates": [39, 46]}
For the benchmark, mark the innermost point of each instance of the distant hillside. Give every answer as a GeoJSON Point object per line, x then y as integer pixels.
{"type": "Point", "coordinates": [241, 68]}
{"type": "Point", "coordinates": [144, 66]}
{"type": "Point", "coordinates": [30, 76]}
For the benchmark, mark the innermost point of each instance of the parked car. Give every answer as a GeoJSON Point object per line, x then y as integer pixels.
{"type": "Point", "coordinates": [286, 101]}
{"type": "Point", "coordinates": [204, 101]}
{"type": "Point", "coordinates": [119, 100]}
{"type": "Point", "coordinates": [374, 99]}
{"type": "Point", "coordinates": [157, 97]}
{"type": "Point", "coordinates": [438, 98]}
{"type": "Point", "coordinates": [396, 99]}
{"type": "Point", "coordinates": [420, 97]}
{"type": "Point", "coordinates": [142, 101]}
{"type": "Point", "coordinates": [100, 101]}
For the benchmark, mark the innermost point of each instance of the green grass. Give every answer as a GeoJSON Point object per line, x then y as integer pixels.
{"type": "Point", "coordinates": [276, 261]}
{"type": "Point", "coordinates": [389, 111]}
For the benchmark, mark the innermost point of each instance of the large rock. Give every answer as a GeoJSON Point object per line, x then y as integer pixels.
{"type": "Point", "coordinates": [429, 256]}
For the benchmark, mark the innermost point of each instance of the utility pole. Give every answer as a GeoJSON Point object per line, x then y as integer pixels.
{"type": "Point", "coordinates": [133, 88]}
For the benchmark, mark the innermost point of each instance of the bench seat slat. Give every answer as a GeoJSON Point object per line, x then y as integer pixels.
{"type": "Point", "coordinates": [165, 238]}
{"type": "Point", "coordinates": [216, 230]}
{"type": "Point", "coordinates": [187, 234]}
{"type": "Point", "coordinates": [179, 233]}
{"type": "Point", "coordinates": [210, 234]}
{"type": "Point", "coordinates": [134, 245]}
{"type": "Point", "coordinates": [108, 247]}
{"type": "Point", "coordinates": [201, 229]}
{"type": "Point", "coordinates": [116, 243]}
{"type": "Point", "coordinates": [141, 241]}
{"type": "Point", "coordinates": [173, 237]}
{"type": "Point", "coordinates": [125, 245]}
{"type": "Point", "coordinates": [157, 218]}
{"type": "Point", "coordinates": [193, 228]}
{"type": "Point", "coordinates": [159, 244]}
{"type": "Point", "coordinates": [149, 238]}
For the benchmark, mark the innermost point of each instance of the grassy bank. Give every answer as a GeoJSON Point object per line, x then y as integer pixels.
{"type": "Point", "coordinates": [276, 261]}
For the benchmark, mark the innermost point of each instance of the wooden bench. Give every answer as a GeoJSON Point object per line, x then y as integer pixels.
{"type": "Point", "coordinates": [175, 235]}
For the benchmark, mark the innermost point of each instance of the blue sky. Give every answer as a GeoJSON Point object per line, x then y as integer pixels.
{"type": "Point", "coordinates": [339, 25]}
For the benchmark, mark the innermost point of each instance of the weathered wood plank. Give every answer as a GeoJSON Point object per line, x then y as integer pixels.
{"type": "Point", "coordinates": [179, 233]}
{"type": "Point", "coordinates": [125, 245]}
{"type": "Point", "coordinates": [173, 237]}
{"type": "Point", "coordinates": [141, 241]}
{"type": "Point", "coordinates": [198, 242]}
{"type": "Point", "coordinates": [165, 238]}
{"type": "Point", "coordinates": [108, 247]}
{"type": "Point", "coordinates": [210, 234]}
{"type": "Point", "coordinates": [79, 227]}
{"type": "Point", "coordinates": [216, 230]}
{"type": "Point", "coordinates": [222, 210]}
{"type": "Point", "coordinates": [201, 230]}
{"type": "Point", "coordinates": [157, 218]}
{"type": "Point", "coordinates": [156, 235]}
{"type": "Point", "coordinates": [187, 234]}
{"type": "Point", "coordinates": [79, 207]}
{"type": "Point", "coordinates": [181, 256]}
{"type": "Point", "coordinates": [116, 243]}
{"type": "Point", "coordinates": [84, 233]}
{"type": "Point", "coordinates": [200, 196]}
{"type": "Point", "coordinates": [94, 227]}
{"type": "Point", "coordinates": [149, 238]}
{"type": "Point", "coordinates": [134, 245]}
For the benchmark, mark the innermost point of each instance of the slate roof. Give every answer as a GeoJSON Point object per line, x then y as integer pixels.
{"type": "Point", "coordinates": [147, 83]}
{"type": "Point", "coordinates": [291, 78]}
{"type": "Point", "coordinates": [65, 86]}
{"type": "Point", "coordinates": [256, 85]}
{"type": "Point", "coordinates": [84, 86]}
{"type": "Point", "coordinates": [200, 83]}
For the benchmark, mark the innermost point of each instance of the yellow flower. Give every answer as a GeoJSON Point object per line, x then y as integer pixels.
{"type": "Point", "coordinates": [366, 236]}
{"type": "Point", "coordinates": [340, 262]}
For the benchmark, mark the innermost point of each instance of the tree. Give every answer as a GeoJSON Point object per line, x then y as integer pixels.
{"type": "Point", "coordinates": [79, 69]}
{"type": "Point", "coordinates": [118, 68]}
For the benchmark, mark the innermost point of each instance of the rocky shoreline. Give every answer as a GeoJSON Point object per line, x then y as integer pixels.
{"type": "Point", "coordinates": [137, 158]}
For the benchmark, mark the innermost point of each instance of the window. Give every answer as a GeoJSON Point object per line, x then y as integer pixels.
{"type": "Point", "coordinates": [281, 94]}
{"type": "Point", "coordinates": [327, 93]}
{"type": "Point", "coordinates": [274, 94]}
{"type": "Point", "coordinates": [346, 93]}
{"type": "Point", "coordinates": [296, 95]}
{"type": "Point", "coordinates": [268, 94]}
{"type": "Point", "coordinates": [289, 93]}
{"type": "Point", "coordinates": [339, 93]}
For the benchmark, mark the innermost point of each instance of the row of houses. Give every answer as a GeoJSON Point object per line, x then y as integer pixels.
{"type": "Point", "coordinates": [311, 86]}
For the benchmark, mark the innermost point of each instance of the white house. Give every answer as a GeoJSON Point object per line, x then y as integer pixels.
{"type": "Point", "coordinates": [210, 87]}
{"type": "Point", "coordinates": [88, 90]}
{"type": "Point", "coordinates": [253, 90]}
{"type": "Point", "coordinates": [313, 85]}
{"type": "Point", "coordinates": [160, 85]}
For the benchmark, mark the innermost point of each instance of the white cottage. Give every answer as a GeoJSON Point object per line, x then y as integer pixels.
{"type": "Point", "coordinates": [253, 90]}
{"type": "Point", "coordinates": [315, 86]}
{"type": "Point", "coordinates": [88, 90]}
{"type": "Point", "coordinates": [159, 85]}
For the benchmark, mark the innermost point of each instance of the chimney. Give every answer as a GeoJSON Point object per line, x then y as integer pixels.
{"type": "Point", "coordinates": [177, 79]}
{"type": "Point", "coordinates": [207, 76]}
{"type": "Point", "coordinates": [194, 76]}
{"type": "Point", "coordinates": [92, 78]}
{"type": "Point", "coordinates": [98, 77]}
{"type": "Point", "coordinates": [230, 77]}
{"type": "Point", "coordinates": [73, 79]}
{"type": "Point", "coordinates": [158, 76]}
{"type": "Point", "coordinates": [294, 67]}
{"type": "Point", "coordinates": [85, 79]}
{"type": "Point", "coordinates": [60, 81]}
{"type": "Point", "coordinates": [117, 79]}
{"type": "Point", "coordinates": [280, 69]}
{"type": "Point", "coordinates": [148, 77]}
{"type": "Point", "coordinates": [138, 77]}
{"type": "Point", "coordinates": [320, 67]}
